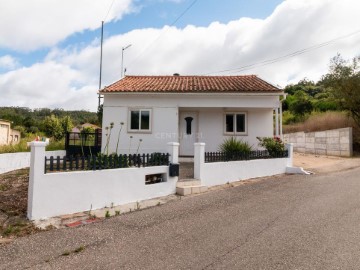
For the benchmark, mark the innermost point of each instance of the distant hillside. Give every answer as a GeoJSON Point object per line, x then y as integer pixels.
{"type": "Point", "coordinates": [26, 117]}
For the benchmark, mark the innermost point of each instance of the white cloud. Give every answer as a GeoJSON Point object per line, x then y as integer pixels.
{"type": "Point", "coordinates": [32, 24]}
{"type": "Point", "coordinates": [68, 78]}
{"type": "Point", "coordinates": [47, 84]}
{"type": "Point", "coordinates": [8, 62]}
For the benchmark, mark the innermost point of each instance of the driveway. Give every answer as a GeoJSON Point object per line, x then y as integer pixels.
{"type": "Point", "coordinates": [284, 222]}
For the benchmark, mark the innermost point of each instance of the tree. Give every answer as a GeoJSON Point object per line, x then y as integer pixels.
{"type": "Point", "coordinates": [301, 104]}
{"type": "Point", "coordinates": [343, 79]}
{"type": "Point", "coordinates": [66, 124]}
{"type": "Point", "coordinates": [53, 127]}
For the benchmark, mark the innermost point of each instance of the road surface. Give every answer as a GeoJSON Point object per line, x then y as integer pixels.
{"type": "Point", "coordinates": [283, 222]}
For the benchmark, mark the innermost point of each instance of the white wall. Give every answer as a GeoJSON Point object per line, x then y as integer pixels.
{"type": "Point", "coordinates": [65, 193]}
{"type": "Point", "coordinates": [164, 129]}
{"type": "Point", "coordinates": [15, 161]}
{"type": "Point", "coordinates": [62, 193]}
{"type": "Point", "coordinates": [211, 126]}
{"type": "Point", "coordinates": [218, 173]}
{"type": "Point", "coordinates": [165, 118]}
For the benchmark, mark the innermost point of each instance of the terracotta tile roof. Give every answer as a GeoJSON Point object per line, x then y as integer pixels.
{"type": "Point", "coordinates": [191, 84]}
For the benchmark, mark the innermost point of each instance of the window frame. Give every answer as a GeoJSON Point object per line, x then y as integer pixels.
{"type": "Point", "coordinates": [233, 133]}
{"type": "Point", "coordinates": [130, 130]}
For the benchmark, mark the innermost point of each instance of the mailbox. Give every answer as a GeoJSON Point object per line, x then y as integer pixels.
{"type": "Point", "coordinates": [174, 169]}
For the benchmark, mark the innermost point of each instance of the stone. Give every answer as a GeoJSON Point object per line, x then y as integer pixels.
{"type": "Point", "coordinates": [320, 146]}
{"type": "Point", "coordinates": [3, 218]}
{"type": "Point", "coordinates": [183, 191]}
{"type": "Point", "coordinates": [195, 190]}
{"type": "Point", "coordinates": [320, 140]}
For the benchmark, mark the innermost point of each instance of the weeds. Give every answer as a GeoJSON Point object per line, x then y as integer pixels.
{"type": "Point", "coordinates": [138, 206]}
{"type": "Point", "coordinates": [66, 253]}
{"type": "Point", "coordinates": [117, 213]}
{"type": "Point", "coordinates": [77, 250]}
{"type": "Point", "coordinates": [107, 214]}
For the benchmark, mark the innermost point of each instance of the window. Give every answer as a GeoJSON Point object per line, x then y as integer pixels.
{"type": "Point", "coordinates": [235, 124]}
{"type": "Point", "coordinates": [140, 120]}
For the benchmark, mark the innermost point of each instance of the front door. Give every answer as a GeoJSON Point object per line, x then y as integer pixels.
{"type": "Point", "coordinates": [188, 123]}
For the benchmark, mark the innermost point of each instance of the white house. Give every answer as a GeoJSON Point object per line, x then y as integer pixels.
{"type": "Point", "coordinates": [188, 109]}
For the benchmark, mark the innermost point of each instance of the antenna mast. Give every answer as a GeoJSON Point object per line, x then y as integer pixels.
{"type": "Point", "coordinates": [101, 53]}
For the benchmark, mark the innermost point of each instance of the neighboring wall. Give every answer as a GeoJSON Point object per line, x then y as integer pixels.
{"type": "Point", "coordinates": [8, 135]}
{"type": "Point", "coordinates": [4, 132]}
{"type": "Point", "coordinates": [336, 142]}
{"type": "Point", "coordinates": [15, 161]}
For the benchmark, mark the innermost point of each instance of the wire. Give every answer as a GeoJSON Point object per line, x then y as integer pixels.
{"type": "Point", "coordinates": [163, 32]}
{"type": "Point", "coordinates": [107, 14]}
{"type": "Point", "coordinates": [284, 57]}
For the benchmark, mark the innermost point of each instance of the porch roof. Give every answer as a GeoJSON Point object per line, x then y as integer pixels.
{"type": "Point", "coordinates": [192, 84]}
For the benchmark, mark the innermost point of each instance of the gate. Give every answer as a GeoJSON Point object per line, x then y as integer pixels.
{"type": "Point", "coordinates": [83, 143]}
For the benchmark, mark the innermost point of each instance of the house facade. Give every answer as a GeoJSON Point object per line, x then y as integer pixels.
{"type": "Point", "coordinates": [143, 113]}
{"type": "Point", "coordinates": [8, 135]}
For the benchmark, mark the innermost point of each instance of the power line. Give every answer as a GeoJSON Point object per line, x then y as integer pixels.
{"type": "Point", "coordinates": [286, 56]}
{"type": "Point", "coordinates": [163, 32]}
{"type": "Point", "coordinates": [107, 14]}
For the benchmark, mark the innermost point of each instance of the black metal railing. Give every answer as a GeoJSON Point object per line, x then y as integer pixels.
{"type": "Point", "coordinates": [101, 162]}
{"type": "Point", "coordinates": [82, 143]}
{"type": "Point", "coordinates": [234, 156]}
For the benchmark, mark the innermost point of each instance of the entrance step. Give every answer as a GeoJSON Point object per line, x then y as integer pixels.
{"type": "Point", "coordinates": [186, 170]}
{"type": "Point", "coordinates": [190, 186]}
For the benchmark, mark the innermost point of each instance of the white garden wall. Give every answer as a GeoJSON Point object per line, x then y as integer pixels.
{"type": "Point", "coordinates": [56, 194]}
{"type": "Point", "coordinates": [219, 173]}
{"type": "Point", "coordinates": [15, 161]}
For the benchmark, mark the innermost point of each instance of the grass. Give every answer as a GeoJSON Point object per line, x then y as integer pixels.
{"type": "Point", "coordinates": [321, 121]}
{"type": "Point", "coordinates": [22, 146]}
{"type": "Point", "coordinates": [326, 121]}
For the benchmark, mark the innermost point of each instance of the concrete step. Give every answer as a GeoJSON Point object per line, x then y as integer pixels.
{"type": "Point", "coordinates": [188, 182]}
{"type": "Point", "coordinates": [188, 190]}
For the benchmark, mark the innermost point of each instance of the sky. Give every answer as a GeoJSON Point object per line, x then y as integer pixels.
{"type": "Point", "coordinates": [50, 49]}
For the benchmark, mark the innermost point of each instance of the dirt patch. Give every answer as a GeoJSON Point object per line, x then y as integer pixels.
{"type": "Point", "coordinates": [13, 204]}
{"type": "Point", "coordinates": [325, 164]}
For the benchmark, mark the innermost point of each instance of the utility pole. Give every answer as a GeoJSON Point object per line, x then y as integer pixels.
{"type": "Point", "coordinates": [122, 59]}
{"type": "Point", "coordinates": [101, 53]}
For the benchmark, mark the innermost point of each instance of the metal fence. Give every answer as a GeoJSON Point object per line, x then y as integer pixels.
{"type": "Point", "coordinates": [234, 156]}
{"type": "Point", "coordinates": [100, 162]}
{"type": "Point", "coordinates": [82, 143]}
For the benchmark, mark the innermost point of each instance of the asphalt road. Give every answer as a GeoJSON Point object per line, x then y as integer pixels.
{"type": "Point", "coordinates": [285, 222]}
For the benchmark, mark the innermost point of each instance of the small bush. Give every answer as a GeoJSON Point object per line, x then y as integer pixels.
{"type": "Point", "coordinates": [232, 145]}
{"type": "Point", "coordinates": [274, 146]}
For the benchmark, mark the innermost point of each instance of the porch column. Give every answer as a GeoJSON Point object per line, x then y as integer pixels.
{"type": "Point", "coordinates": [280, 123]}
{"type": "Point", "coordinates": [276, 121]}
{"type": "Point", "coordinates": [199, 159]}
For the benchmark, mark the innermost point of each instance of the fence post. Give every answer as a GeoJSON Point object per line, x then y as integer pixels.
{"type": "Point", "coordinates": [173, 150]}
{"type": "Point", "coordinates": [290, 148]}
{"type": "Point", "coordinates": [37, 168]}
{"type": "Point", "coordinates": [199, 159]}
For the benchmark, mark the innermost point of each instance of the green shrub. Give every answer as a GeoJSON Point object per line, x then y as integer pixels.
{"type": "Point", "coordinates": [232, 145]}
{"type": "Point", "coordinates": [274, 146]}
